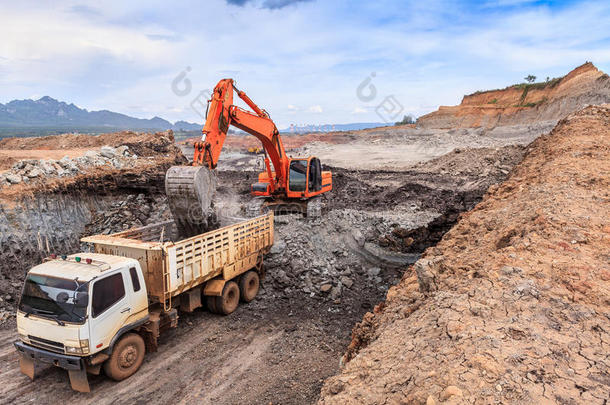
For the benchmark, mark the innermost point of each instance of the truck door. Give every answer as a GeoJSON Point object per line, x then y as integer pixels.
{"type": "Point", "coordinates": [110, 308]}
{"type": "Point", "coordinates": [138, 294]}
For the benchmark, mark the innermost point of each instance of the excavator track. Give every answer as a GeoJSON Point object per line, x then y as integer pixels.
{"type": "Point", "coordinates": [190, 194]}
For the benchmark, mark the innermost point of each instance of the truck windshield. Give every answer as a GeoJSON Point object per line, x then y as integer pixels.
{"type": "Point", "coordinates": [54, 298]}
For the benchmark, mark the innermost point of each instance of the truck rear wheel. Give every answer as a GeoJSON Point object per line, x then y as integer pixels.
{"type": "Point", "coordinates": [211, 302]}
{"type": "Point", "coordinates": [126, 358]}
{"type": "Point", "coordinates": [248, 286]}
{"type": "Point", "coordinates": [228, 301]}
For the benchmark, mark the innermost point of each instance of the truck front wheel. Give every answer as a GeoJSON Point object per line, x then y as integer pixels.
{"type": "Point", "coordinates": [126, 358]}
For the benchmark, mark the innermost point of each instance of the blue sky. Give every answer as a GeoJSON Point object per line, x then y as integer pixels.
{"type": "Point", "coordinates": [302, 60]}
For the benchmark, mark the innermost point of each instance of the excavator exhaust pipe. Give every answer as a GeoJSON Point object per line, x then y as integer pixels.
{"type": "Point", "coordinates": [190, 194]}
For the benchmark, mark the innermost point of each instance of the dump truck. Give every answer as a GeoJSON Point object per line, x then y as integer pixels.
{"type": "Point", "coordinates": [87, 311]}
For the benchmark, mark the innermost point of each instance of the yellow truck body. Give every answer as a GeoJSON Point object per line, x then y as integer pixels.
{"type": "Point", "coordinates": [173, 267]}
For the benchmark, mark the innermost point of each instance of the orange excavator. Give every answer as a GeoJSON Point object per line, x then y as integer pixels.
{"type": "Point", "coordinates": [292, 183]}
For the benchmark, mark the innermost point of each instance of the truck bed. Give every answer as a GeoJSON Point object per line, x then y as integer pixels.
{"type": "Point", "coordinates": [172, 266]}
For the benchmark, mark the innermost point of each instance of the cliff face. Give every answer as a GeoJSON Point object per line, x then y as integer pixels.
{"type": "Point", "coordinates": [525, 103]}
{"type": "Point", "coordinates": [512, 305]}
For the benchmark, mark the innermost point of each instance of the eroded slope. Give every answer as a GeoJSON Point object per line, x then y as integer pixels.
{"type": "Point", "coordinates": [513, 304]}
{"type": "Point", "coordinates": [525, 104]}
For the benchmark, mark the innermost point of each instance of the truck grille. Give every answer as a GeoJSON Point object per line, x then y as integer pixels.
{"type": "Point", "coordinates": [46, 344]}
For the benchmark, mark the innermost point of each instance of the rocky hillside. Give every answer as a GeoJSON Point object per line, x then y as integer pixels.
{"type": "Point", "coordinates": [135, 156]}
{"type": "Point", "coordinates": [512, 305]}
{"type": "Point", "coordinates": [524, 104]}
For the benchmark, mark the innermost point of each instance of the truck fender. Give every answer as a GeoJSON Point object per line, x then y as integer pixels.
{"type": "Point", "coordinates": [214, 287]}
{"type": "Point", "coordinates": [122, 331]}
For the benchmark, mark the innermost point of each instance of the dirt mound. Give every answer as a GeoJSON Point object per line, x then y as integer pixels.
{"type": "Point", "coordinates": [525, 103]}
{"type": "Point", "coordinates": [78, 141]}
{"type": "Point", "coordinates": [148, 156]}
{"type": "Point", "coordinates": [512, 305]}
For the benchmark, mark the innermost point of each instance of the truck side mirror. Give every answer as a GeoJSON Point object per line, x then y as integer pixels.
{"type": "Point", "coordinates": [81, 300]}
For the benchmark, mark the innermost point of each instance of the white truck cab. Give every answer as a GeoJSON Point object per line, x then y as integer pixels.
{"type": "Point", "coordinates": [73, 309]}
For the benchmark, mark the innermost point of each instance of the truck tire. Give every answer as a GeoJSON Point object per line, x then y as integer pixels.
{"type": "Point", "coordinates": [228, 301]}
{"type": "Point", "coordinates": [126, 358]}
{"type": "Point", "coordinates": [211, 302]}
{"type": "Point", "coordinates": [248, 286]}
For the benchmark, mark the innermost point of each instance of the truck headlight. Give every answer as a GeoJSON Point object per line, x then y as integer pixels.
{"type": "Point", "coordinates": [73, 350]}
{"type": "Point", "coordinates": [83, 349]}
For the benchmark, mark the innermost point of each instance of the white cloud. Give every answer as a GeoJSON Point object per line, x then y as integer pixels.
{"type": "Point", "coordinates": [122, 54]}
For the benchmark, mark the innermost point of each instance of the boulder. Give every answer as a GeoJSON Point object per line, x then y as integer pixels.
{"type": "Point", "coordinates": [326, 288]}
{"type": "Point", "coordinates": [122, 150]}
{"type": "Point", "coordinates": [108, 152]}
{"type": "Point", "coordinates": [358, 237]}
{"type": "Point", "coordinates": [48, 166]}
{"type": "Point", "coordinates": [278, 247]}
{"type": "Point", "coordinates": [426, 275]}
{"type": "Point", "coordinates": [34, 173]}
{"type": "Point", "coordinates": [374, 271]}
{"type": "Point", "coordinates": [346, 281]}
{"type": "Point", "coordinates": [13, 178]}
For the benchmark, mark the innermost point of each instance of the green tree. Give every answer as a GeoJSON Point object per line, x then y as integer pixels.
{"type": "Point", "coordinates": [407, 119]}
{"type": "Point", "coordinates": [530, 78]}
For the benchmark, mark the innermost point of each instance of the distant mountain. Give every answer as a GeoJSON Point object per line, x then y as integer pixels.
{"type": "Point", "coordinates": [334, 127]}
{"type": "Point", "coordinates": [186, 126]}
{"type": "Point", "coordinates": [50, 113]}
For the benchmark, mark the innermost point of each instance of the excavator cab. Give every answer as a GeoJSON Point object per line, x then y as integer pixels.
{"type": "Point", "coordinates": [305, 179]}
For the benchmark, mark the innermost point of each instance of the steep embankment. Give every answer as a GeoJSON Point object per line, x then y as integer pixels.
{"type": "Point", "coordinates": [524, 104]}
{"type": "Point", "coordinates": [512, 305]}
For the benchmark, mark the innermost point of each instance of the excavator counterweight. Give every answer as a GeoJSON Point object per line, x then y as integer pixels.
{"type": "Point", "coordinates": [286, 181]}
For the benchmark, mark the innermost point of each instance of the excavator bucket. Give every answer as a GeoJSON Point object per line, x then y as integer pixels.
{"type": "Point", "coordinates": [190, 194]}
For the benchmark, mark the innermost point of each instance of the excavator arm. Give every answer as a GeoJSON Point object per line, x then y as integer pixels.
{"type": "Point", "coordinates": [222, 113]}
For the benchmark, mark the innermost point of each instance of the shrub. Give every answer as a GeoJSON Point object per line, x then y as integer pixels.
{"type": "Point", "coordinates": [407, 119]}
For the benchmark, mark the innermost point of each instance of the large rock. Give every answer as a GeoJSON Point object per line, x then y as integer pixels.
{"type": "Point", "coordinates": [358, 237]}
{"type": "Point", "coordinates": [426, 276]}
{"type": "Point", "coordinates": [108, 152]}
{"type": "Point", "coordinates": [278, 247]}
{"type": "Point", "coordinates": [13, 178]}
{"type": "Point", "coordinates": [34, 173]}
